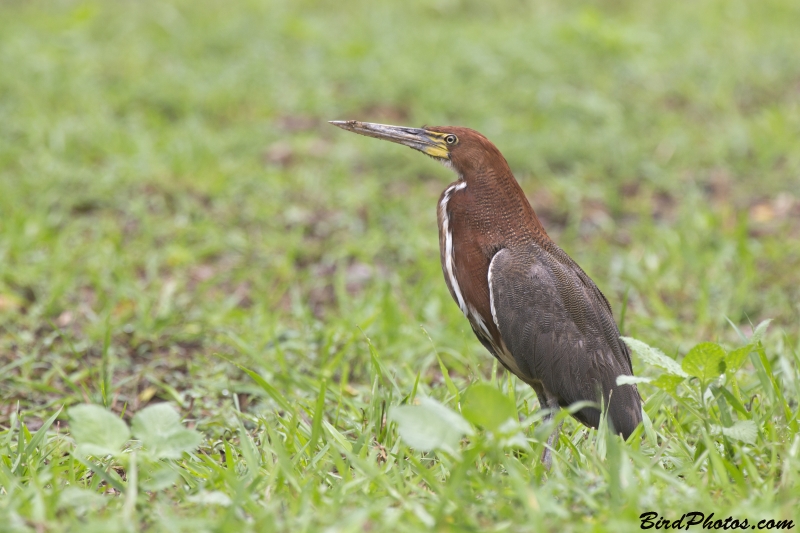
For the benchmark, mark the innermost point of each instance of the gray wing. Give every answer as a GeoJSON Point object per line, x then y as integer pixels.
{"type": "Point", "coordinates": [559, 328]}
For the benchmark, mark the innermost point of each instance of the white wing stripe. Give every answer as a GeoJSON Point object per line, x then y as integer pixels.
{"type": "Point", "coordinates": [491, 291]}
{"type": "Point", "coordinates": [502, 350]}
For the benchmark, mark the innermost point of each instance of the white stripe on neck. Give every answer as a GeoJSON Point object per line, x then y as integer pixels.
{"type": "Point", "coordinates": [449, 258]}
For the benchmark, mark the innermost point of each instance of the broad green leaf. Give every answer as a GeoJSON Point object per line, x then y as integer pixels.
{"type": "Point", "coordinates": [79, 500]}
{"type": "Point", "coordinates": [667, 382]}
{"type": "Point", "coordinates": [743, 430]}
{"type": "Point", "coordinates": [97, 431]}
{"type": "Point", "coordinates": [161, 432]}
{"type": "Point", "coordinates": [430, 426]}
{"type": "Point", "coordinates": [705, 361]}
{"type": "Point", "coordinates": [654, 356]}
{"type": "Point", "coordinates": [157, 476]}
{"type": "Point", "coordinates": [486, 406]}
{"type": "Point", "coordinates": [736, 358]}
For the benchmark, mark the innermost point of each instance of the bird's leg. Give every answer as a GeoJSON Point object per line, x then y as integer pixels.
{"type": "Point", "coordinates": [547, 458]}
{"type": "Point", "coordinates": [552, 406]}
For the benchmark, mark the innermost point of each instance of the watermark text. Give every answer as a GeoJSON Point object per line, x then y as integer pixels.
{"type": "Point", "coordinates": [651, 520]}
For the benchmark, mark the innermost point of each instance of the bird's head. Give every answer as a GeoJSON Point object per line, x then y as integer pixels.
{"type": "Point", "coordinates": [462, 149]}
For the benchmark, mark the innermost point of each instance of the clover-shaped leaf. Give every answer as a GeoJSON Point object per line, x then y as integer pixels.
{"type": "Point", "coordinates": [159, 429]}
{"type": "Point", "coordinates": [744, 430]}
{"type": "Point", "coordinates": [486, 406]}
{"type": "Point", "coordinates": [96, 430]}
{"type": "Point", "coordinates": [705, 361]}
{"type": "Point", "coordinates": [430, 426]}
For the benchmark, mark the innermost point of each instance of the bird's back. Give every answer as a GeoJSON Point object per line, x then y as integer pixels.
{"type": "Point", "coordinates": [559, 328]}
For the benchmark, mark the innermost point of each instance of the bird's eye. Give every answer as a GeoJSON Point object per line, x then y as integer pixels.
{"type": "Point", "coordinates": [451, 139]}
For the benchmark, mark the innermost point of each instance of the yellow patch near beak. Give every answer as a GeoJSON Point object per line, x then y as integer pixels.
{"type": "Point", "coordinates": [437, 151]}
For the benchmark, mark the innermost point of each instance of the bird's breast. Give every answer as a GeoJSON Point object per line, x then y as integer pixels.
{"type": "Point", "coordinates": [464, 253]}
{"type": "Point", "coordinates": [466, 249]}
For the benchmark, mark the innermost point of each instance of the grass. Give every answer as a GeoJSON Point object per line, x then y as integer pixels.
{"type": "Point", "coordinates": [178, 224]}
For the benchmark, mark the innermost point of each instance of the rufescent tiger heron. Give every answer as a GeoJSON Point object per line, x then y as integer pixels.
{"type": "Point", "coordinates": [527, 301]}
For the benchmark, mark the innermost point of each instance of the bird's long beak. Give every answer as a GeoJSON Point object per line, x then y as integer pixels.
{"type": "Point", "coordinates": [428, 142]}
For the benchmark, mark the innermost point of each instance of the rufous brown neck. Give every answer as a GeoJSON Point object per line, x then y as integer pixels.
{"type": "Point", "coordinates": [498, 199]}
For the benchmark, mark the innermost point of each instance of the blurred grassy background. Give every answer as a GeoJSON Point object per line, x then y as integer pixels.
{"type": "Point", "coordinates": [169, 188]}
